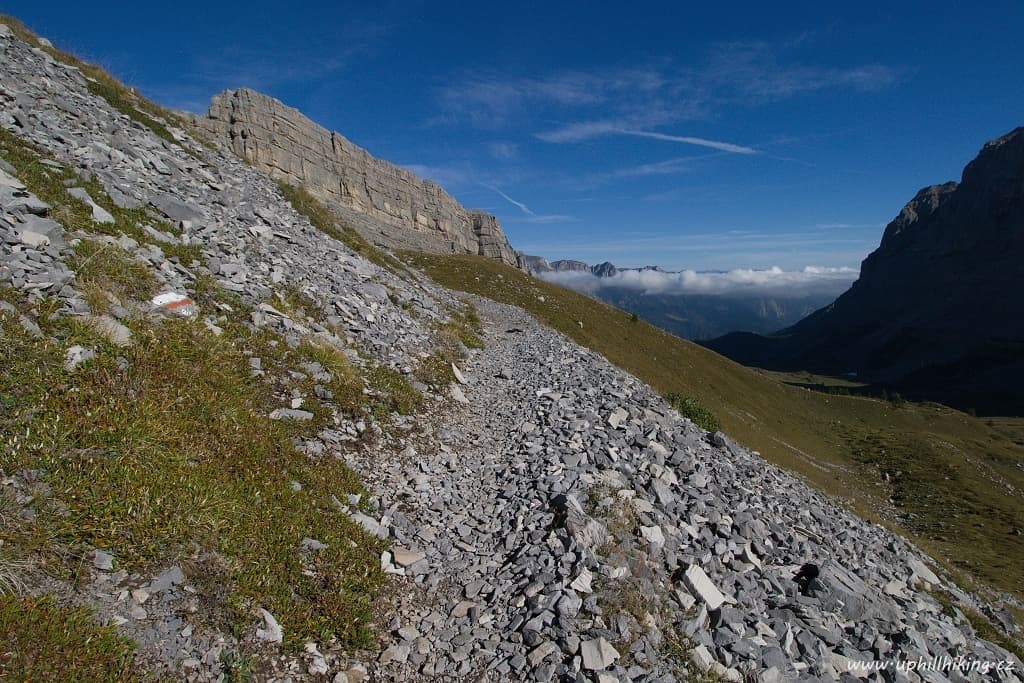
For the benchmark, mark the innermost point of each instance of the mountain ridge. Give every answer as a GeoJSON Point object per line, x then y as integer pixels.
{"type": "Point", "coordinates": [933, 312]}
{"type": "Point", "coordinates": [405, 211]}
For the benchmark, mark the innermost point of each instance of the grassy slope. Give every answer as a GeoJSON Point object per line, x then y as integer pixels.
{"type": "Point", "coordinates": [947, 469]}
{"type": "Point", "coordinates": [176, 429]}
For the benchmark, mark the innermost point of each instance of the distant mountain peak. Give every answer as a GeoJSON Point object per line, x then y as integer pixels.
{"type": "Point", "coordinates": [936, 308]}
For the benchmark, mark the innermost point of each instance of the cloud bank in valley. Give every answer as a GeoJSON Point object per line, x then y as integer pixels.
{"type": "Point", "coordinates": [745, 282]}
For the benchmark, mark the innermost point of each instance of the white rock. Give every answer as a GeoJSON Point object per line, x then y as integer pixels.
{"type": "Point", "coordinates": [921, 572]}
{"type": "Point", "coordinates": [76, 355]}
{"type": "Point", "coordinates": [702, 587]}
{"type": "Point", "coordinates": [598, 654]}
{"type": "Point", "coordinates": [118, 334]}
{"type": "Point", "coordinates": [540, 652]}
{"type": "Point", "coordinates": [33, 239]}
{"type": "Point", "coordinates": [462, 609]}
{"type": "Point", "coordinates": [617, 417]}
{"type": "Point", "coordinates": [369, 524]}
{"type": "Point", "coordinates": [404, 557]}
{"type": "Point", "coordinates": [102, 560]}
{"type": "Point", "coordinates": [653, 535]}
{"type": "Point", "coordinates": [273, 633]}
{"type": "Point", "coordinates": [456, 394]}
{"type": "Point", "coordinates": [750, 557]}
{"type": "Point", "coordinates": [581, 584]}
{"type": "Point", "coordinates": [686, 601]}
{"type": "Point", "coordinates": [459, 377]}
{"type": "Point", "coordinates": [388, 567]}
{"type": "Point", "coordinates": [702, 658]}
{"type": "Point", "coordinates": [396, 653]}
{"type": "Point", "coordinates": [319, 664]}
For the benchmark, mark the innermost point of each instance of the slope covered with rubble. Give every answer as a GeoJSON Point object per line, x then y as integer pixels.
{"type": "Point", "coordinates": [233, 445]}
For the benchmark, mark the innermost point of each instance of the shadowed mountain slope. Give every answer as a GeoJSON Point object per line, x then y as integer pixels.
{"type": "Point", "coordinates": [935, 311]}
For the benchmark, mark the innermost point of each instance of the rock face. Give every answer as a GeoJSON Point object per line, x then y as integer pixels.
{"type": "Point", "coordinates": [935, 310]}
{"type": "Point", "coordinates": [406, 211]}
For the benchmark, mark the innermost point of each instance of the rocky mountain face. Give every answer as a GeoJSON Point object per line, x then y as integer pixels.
{"type": "Point", "coordinates": [688, 315]}
{"type": "Point", "coordinates": [387, 204]}
{"type": "Point", "coordinates": [543, 516]}
{"type": "Point", "coordinates": [936, 310]}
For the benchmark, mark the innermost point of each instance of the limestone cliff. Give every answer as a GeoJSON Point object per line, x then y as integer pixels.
{"type": "Point", "coordinates": [386, 203]}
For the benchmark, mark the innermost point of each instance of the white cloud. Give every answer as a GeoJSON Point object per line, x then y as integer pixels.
{"type": "Point", "coordinates": [523, 207]}
{"type": "Point", "coordinates": [549, 218]}
{"type": "Point", "coordinates": [504, 151]}
{"type": "Point", "coordinates": [581, 130]}
{"type": "Point", "coordinates": [772, 282]}
{"type": "Point", "coordinates": [688, 140]}
{"type": "Point", "coordinates": [646, 97]}
{"type": "Point", "coordinates": [586, 130]}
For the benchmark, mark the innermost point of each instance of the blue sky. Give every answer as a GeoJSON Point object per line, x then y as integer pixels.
{"type": "Point", "coordinates": [743, 135]}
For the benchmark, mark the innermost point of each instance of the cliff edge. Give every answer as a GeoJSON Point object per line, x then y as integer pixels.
{"type": "Point", "coordinates": [387, 204]}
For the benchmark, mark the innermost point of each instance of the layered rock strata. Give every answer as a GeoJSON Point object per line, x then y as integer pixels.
{"type": "Point", "coordinates": [406, 211]}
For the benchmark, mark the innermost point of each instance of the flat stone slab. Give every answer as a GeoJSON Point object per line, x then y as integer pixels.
{"type": "Point", "coordinates": [597, 654]}
{"type": "Point", "coordinates": [459, 377]}
{"type": "Point", "coordinates": [456, 393]}
{"type": "Point", "coordinates": [291, 414]}
{"type": "Point", "coordinates": [118, 334]}
{"type": "Point", "coordinates": [404, 557]}
{"type": "Point", "coordinates": [702, 587]}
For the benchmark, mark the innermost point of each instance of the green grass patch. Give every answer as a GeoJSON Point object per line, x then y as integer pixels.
{"type": "Point", "coordinates": [44, 642]}
{"type": "Point", "coordinates": [324, 220]}
{"type": "Point", "coordinates": [102, 269]}
{"type": "Point", "coordinates": [394, 393]}
{"type": "Point", "coordinates": [463, 330]}
{"type": "Point", "coordinates": [464, 323]}
{"type": "Point", "coordinates": [691, 408]}
{"type": "Point", "coordinates": [823, 437]}
{"type": "Point", "coordinates": [173, 448]}
{"type": "Point", "coordinates": [297, 304]}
